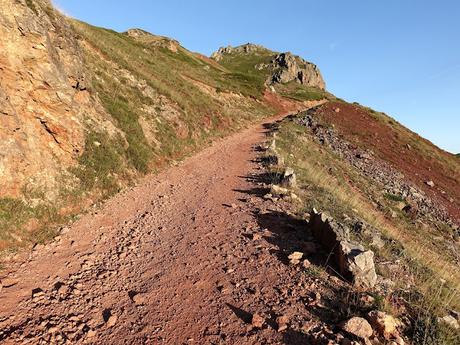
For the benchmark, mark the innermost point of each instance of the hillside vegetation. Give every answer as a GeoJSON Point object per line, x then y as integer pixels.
{"type": "Point", "coordinates": [137, 103]}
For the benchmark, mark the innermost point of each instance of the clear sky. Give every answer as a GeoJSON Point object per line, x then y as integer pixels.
{"type": "Point", "coordinates": [401, 57]}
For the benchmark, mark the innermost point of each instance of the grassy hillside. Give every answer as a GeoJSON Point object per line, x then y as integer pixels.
{"type": "Point", "coordinates": [162, 105]}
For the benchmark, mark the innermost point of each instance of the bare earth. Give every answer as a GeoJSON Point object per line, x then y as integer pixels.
{"type": "Point", "coordinates": [174, 260]}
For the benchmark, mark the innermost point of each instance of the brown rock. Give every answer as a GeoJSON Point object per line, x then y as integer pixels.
{"type": "Point", "coordinates": [112, 320]}
{"type": "Point", "coordinates": [358, 327]}
{"type": "Point", "coordinates": [295, 257]}
{"type": "Point", "coordinates": [257, 321]}
{"type": "Point", "coordinates": [282, 322]}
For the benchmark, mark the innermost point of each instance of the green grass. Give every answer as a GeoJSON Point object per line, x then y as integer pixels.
{"type": "Point", "coordinates": [100, 162]}
{"type": "Point", "coordinates": [393, 197]}
{"type": "Point", "coordinates": [298, 92]}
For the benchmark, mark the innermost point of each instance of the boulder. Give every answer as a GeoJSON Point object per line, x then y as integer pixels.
{"type": "Point", "coordinates": [358, 327]}
{"type": "Point", "coordinates": [354, 262]}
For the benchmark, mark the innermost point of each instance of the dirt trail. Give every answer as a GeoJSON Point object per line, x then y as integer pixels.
{"type": "Point", "coordinates": [175, 260]}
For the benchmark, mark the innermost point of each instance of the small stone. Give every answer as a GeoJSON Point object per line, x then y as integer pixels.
{"type": "Point", "coordinates": [282, 322]}
{"type": "Point", "coordinates": [277, 190]}
{"type": "Point", "coordinates": [139, 299]}
{"type": "Point", "coordinates": [112, 321]}
{"type": "Point", "coordinates": [399, 340]}
{"type": "Point", "coordinates": [306, 263]}
{"type": "Point", "coordinates": [53, 330]}
{"type": "Point", "coordinates": [450, 321]}
{"type": "Point", "coordinates": [8, 282]}
{"type": "Point", "coordinates": [257, 321]}
{"type": "Point", "coordinates": [295, 257]}
{"type": "Point", "coordinates": [358, 327]}
{"type": "Point", "coordinates": [430, 183]}
{"type": "Point", "coordinates": [91, 334]}
{"type": "Point", "coordinates": [37, 293]}
{"type": "Point", "coordinates": [256, 237]}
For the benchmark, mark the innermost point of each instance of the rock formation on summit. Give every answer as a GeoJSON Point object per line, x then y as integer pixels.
{"type": "Point", "coordinates": [281, 68]}
{"type": "Point", "coordinates": [288, 67]}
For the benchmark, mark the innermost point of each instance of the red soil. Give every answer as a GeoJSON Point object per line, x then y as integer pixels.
{"type": "Point", "coordinates": [358, 126]}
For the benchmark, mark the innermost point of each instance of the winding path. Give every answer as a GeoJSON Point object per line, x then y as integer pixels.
{"type": "Point", "coordinates": [185, 257]}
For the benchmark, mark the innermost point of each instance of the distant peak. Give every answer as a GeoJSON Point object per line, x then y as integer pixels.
{"type": "Point", "coordinates": [244, 48]}
{"type": "Point", "coordinates": [137, 33]}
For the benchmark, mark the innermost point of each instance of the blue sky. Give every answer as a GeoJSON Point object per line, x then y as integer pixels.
{"type": "Point", "coordinates": [397, 56]}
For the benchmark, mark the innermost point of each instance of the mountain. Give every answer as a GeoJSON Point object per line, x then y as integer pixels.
{"type": "Point", "coordinates": [344, 212]}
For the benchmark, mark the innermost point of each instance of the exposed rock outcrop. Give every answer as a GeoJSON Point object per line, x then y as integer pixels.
{"type": "Point", "coordinates": [153, 40]}
{"type": "Point", "coordinates": [244, 49]}
{"type": "Point", "coordinates": [44, 97]}
{"type": "Point", "coordinates": [288, 67]}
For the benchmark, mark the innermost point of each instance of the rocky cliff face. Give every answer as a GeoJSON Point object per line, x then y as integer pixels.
{"type": "Point", "coordinates": [288, 67]}
{"type": "Point", "coordinates": [44, 97]}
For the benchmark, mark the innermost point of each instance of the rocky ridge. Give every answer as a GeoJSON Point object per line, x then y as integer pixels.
{"type": "Point", "coordinates": [153, 40]}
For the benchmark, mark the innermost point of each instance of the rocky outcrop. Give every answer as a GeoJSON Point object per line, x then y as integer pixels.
{"type": "Point", "coordinates": [44, 98]}
{"type": "Point", "coordinates": [243, 49]}
{"type": "Point", "coordinates": [352, 260]}
{"type": "Point", "coordinates": [281, 68]}
{"type": "Point", "coordinates": [288, 67]}
{"type": "Point", "coordinates": [153, 40]}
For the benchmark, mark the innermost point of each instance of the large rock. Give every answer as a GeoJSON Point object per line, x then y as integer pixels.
{"type": "Point", "coordinates": [353, 262]}
{"type": "Point", "coordinates": [282, 67]}
{"type": "Point", "coordinates": [356, 264]}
